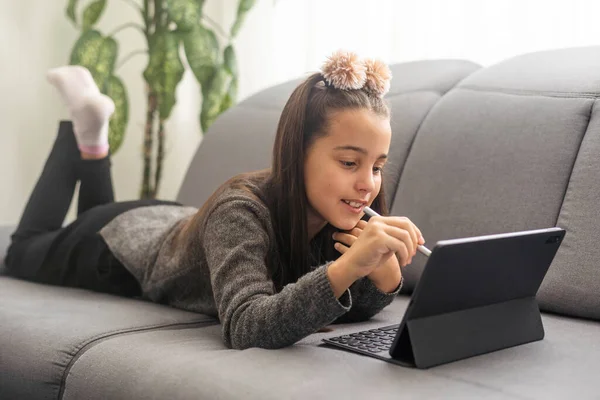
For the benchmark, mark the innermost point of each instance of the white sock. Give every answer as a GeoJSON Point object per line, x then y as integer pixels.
{"type": "Point", "coordinates": [89, 109]}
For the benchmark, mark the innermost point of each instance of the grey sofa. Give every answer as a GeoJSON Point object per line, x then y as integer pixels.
{"type": "Point", "coordinates": [510, 147]}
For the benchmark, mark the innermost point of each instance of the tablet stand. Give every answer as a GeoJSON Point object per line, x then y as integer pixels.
{"type": "Point", "coordinates": [438, 339]}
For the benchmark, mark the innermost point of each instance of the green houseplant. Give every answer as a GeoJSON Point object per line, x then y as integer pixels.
{"type": "Point", "coordinates": [168, 26]}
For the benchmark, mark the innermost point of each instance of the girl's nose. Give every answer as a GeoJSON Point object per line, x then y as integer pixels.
{"type": "Point", "coordinates": [365, 183]}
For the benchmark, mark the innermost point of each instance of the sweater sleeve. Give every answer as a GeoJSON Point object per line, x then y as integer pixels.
{"type": "Point", "coordinates": [367, 301]}
{"type": "Point", "coordinates": [236, 243]}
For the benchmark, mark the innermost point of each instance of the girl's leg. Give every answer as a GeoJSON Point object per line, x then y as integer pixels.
{"type": "Point", "coordinates": [51, 197]}
{"type": "Point", "coordinates": [90, 111]}
{"type": "Point", "coordinates": [48, 204]}
{"type": "Point", "coordinates": [80, 152]}
{"type": "Point", "coordinates": [95, 184]}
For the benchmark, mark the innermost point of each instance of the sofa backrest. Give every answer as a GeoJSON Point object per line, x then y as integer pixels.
{"type": "Point", "coordinates": [514, 147]}
{"type": "Point", "coordinates": [474, 151]}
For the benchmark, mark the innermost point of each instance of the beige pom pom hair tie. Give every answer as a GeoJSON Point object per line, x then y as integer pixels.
{"type": "Point", "coordinates": [344, 70]}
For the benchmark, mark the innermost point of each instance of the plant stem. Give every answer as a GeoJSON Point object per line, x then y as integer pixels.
{"type": "Point", "coordinates": [216, 26]}
{"type": "Point", "coordinates": [158, 15]}
{"type": "Point", "coordinates": [127, 25]}
{"type": "Point", "coordinates": [134, 5]}
{"type": "Point", "coordinates": [160, 155]}
{"type": "Point", "coordinates": [147, 18]}
{"type": "Point", "coordinates": [129, 56]}
{"type": "Point", "coordinates": [147, 189]}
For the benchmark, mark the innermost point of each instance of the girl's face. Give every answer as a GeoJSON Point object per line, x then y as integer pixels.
{"type": "Point", "coordinates": [343, 167]}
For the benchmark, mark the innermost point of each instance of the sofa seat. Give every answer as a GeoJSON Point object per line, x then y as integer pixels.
{"type": "Point", "coordinates": [193, 364]}
{"type": "Point", "coordinates": [50, 327]}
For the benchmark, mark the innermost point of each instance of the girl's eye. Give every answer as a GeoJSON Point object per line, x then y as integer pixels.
{"type": "Point", "coordinates": [377, 170]}
{"type": "Point", "coordinates": [348, 163]}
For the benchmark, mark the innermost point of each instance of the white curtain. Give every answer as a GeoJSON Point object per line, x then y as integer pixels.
{"type": "Point", "coordinates": [304, 32]}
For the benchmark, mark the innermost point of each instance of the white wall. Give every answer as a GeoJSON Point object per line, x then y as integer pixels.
{"type": "Point", "coordinates": [281, 39]}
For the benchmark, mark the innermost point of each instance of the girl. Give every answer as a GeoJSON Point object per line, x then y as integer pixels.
{"type": "Point", "coordinates": [275, 254]}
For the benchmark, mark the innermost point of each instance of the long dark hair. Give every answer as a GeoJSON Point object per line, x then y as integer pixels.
{"type": "Point", "coordinates": [303, 120]}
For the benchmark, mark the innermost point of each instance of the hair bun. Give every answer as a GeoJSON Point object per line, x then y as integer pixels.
{"type": "Point", "coordinates": [378, 77]}
{"type": "Point", "coordinates": [344, 70]}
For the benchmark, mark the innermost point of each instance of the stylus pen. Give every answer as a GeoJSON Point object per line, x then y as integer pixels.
{"type": "Point", "coordinates": [424, 250]}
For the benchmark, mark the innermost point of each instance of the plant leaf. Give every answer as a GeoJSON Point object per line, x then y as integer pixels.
{"type": "Point", "coordinates": [230, 64]}
{"type": "Point", "coordinates": [230, 96]}
{"type": "Point", "coordinates": [230, 61]}
{"type": "Point", "coordinates": [71, 10]}
{"type": "Point", "coordinates": [92, 13]}
{"type": "Point", "coordinates": [164, 70]}
{"type": "Point", "coordinates": [185, 13]}
{"type": "Point", "coordinates": [213, 97]}
{"type": "Point", "coordinates": [202, 52]}
{"type": "Point", "coordinates": [118, 122]}
{"type": "Point", "coordinates": [243, 7]}
{"type": "Point", "coordinates": [98, 54]}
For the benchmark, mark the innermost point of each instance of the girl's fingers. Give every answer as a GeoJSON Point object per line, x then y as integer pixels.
{"type": "Point", "coordinates": [401, 250]}
{"type": "Point", "coordinates": [345, 238]}
{"type": "Point", "coordinates": [340, 247]}
{"type": "Point", "coordinates": [361, 224]}
{"type": "Point", "coordinates": [406, 224]}
{"type": "Point", "coordinates": [405, 237]}
{"type": "Point", "coordinates": [414, 236]}
{"type": "Point", "coordinates": [421, 238]}
{"type": "Point", "coordinates": [356, 232]}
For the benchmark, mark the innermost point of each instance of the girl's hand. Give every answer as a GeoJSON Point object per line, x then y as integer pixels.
{"type": "Point", "coordinates": [370, 245]}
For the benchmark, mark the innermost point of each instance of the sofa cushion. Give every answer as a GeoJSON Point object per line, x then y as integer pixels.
{"type": "Point", "coordinates": [408, 112]}
{"type": "Point", "coordinates": [193, 363]}
{"type": "Point", "coordinates": [487, 162]}
{"type": "Point", "coordinates": [44, 329]}
{"type": "Point", "coordinates": [572, 285]}
{"type": "Point", "coordinates": [564, 72]}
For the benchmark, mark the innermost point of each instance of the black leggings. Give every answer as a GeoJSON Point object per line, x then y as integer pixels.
{"type": "Point", "coordinates": [43, 251]}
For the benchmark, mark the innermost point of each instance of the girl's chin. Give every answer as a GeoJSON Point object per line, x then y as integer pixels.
{"type": "Point", "coordinates": [345, 224]}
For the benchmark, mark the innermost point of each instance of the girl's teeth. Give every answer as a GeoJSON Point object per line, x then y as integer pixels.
{"type": "Point", "coordinates": [355, 205]}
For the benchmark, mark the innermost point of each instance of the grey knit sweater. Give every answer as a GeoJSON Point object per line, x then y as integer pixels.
{"type": "Point", "coordinates": [215, 264]}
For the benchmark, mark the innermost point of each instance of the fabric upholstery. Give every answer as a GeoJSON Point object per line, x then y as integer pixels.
{"type": "Point", "coordinates": [44, 328]}
{"type": "Point", "coordinates": [572, 285]}
{"type": "Point", "coordinates": [501, 152]}
{"type": "Point", "coordinates": [193, 363]}
{"type": "Point", "coordinates": [466, 176]}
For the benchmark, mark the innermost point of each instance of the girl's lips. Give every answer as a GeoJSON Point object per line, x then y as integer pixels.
{"type": "Point", "coordinates": [352, 209]}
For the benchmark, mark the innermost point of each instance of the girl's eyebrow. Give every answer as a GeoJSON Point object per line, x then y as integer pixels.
{"type": "Point", "coordinates": [360, 150]}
